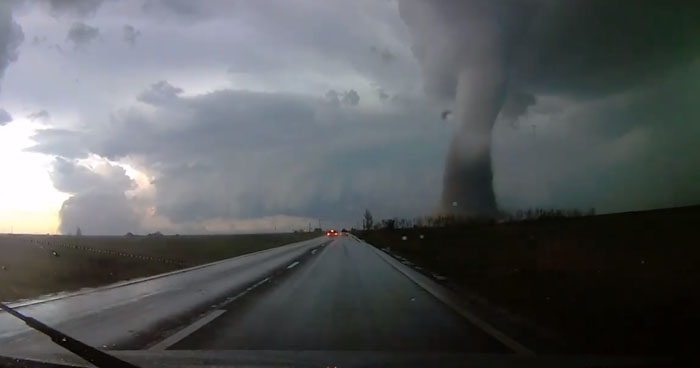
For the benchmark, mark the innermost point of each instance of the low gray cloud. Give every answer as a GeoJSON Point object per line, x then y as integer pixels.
{"type": "Point", "coordinates": [11, 36]}
{"type": "Point", "coordinates": [351, 98]}
{"type": "Point", "coordinates": [41, 115]}
{"type": "Point", "coordinates": [381, 93]}
{"type": "Point", "coordinates": [385, 54]}
{"type": "Point", "coordinates": [5, 117]}
{"type": "Point", "coordinates": [70, 177]}
{"type": "Point", "coordinates": [516, 104]}
{"type": "Point", "coordinates": [75, 8]}
{"type": "Point", "coordinates": [240, 155]}
{"type": "Point", "coordinates": [347, 98]}
{"type": "Point", "coordinates": [160, 93]}
{"type": "Point", "coordinates": [130, 34]}
{"type": "Point", "coordinates": [262, 23]}
{"type": "Point", "coordinates": [61, 142]}
{"type": "Point", "coordinates": [186, 10]}
{"type": "Point", "coordinates": [36, 40]}
{"type": "Point", "coordinates": [81, 34]}
{"type": "Point", "coordinates": [333, 97]}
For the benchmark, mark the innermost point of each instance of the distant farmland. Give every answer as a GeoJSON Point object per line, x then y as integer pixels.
{"type": "Point", "coordinates": [34, 265]}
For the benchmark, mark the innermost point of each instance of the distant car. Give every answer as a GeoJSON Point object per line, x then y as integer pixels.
{"type": "Point", "coordinates": [344, 232]}
{"type": "Point", "coordinates": [332, 232]}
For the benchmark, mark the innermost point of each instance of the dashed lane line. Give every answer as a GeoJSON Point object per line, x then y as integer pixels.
{"type": "Point", "coordinates": [174, 339]}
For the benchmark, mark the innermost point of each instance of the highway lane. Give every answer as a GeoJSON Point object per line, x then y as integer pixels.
{"type": "Point", "coordinates": [344, 298]}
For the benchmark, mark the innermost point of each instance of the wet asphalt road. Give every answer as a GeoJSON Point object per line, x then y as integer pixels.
{"type": "Point", "coordinates": [129, 314]}
{"type": "Point", "coordinates": [345, 297]}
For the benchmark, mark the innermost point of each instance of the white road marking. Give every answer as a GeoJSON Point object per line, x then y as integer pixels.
{"type": "Point", "coordinates": [293, 265]}
{"type": "Point", "coordinates": [231, 299]}
{"type": "Point", "coordinates": [445, 296]}
{"type": "Point", "coordinates": [174, 339]}
{"type": "Point", "coordinates": [314, 251]}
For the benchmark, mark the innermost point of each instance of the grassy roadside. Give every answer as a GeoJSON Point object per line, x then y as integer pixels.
{"type": "Point", "coordinates": [621, 283]}
{"type": "Point", "coordinates": [34, 265]}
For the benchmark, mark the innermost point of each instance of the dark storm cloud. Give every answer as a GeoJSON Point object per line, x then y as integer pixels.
{"type": "Point", "coordinates": [577, 47]}
{"type": "Point", "coordinates": [631, 151]}
{"type": "Point", "coordinates": [5, 117]}
{"type": "Point", "coordinates": [597, 47]}
{"type": "Point", "coordinates": [82, 34]}
{"type": "Point", "coordinates": [160, 93]}
{"type": "Point", "coordinates": [482, 54]}
{"type": "Point", "coordinates": [130, 34]}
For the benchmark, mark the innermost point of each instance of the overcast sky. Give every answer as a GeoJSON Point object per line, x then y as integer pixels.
{"type": "Point", "coordinates": [241, 116]}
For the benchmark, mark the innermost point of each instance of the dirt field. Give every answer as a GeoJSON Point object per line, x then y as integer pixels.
{"type": "Point", "coordinates": [620, 283]}
{"type": "Point", "coordinates": [34, 265]}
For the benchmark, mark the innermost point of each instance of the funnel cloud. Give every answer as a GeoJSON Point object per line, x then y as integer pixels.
{"type": "Point", "coordinates": [482, 57]}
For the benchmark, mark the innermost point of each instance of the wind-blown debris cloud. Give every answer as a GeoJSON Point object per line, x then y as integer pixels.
{"type": "Point", "coordinates": [483, 55]}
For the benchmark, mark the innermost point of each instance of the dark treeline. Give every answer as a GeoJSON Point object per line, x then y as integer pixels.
{"type": "Point", "coordinates": [450, 220]}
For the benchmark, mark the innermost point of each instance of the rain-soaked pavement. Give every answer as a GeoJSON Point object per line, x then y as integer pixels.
{"type": "Point", "coordinates": [344, 298]}
{"type": "Point", "coordinates": [128, 314]}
